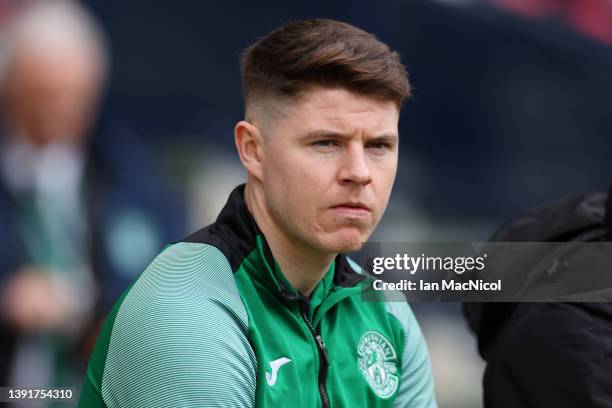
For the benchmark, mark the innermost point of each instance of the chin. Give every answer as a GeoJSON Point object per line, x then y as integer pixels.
{"type": "Point", "coordinates": [343, 243]}
{"type": "Point", "coordinates": [352, 247]}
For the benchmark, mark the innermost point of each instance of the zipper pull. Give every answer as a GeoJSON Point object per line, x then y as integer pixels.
{"type": "Point", "coordinates": [289, 295]}
{"type": "Point", "coordinates": [319, 340]}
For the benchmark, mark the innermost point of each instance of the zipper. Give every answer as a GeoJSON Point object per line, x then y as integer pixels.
{"type": "Point", "coordinates": [323, 356]}
{"type": "Point", "coordinates": [316, 333]}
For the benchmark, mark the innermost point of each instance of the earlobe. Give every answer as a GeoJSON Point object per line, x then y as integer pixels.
{"type": "Point", "coordinates": [248, 143]}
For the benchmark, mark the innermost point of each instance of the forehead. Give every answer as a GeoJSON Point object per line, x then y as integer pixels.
{"type": "Point", "coordinates": [341, 110]}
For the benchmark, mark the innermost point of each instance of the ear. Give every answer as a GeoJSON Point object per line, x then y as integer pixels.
{"type": "Point", "coordinates": [249, 141]}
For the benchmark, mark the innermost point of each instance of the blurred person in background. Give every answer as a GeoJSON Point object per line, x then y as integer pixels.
{"type": "Point", "coordinates": [72, 229]}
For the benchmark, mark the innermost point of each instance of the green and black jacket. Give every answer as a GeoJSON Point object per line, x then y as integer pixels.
{"type": "Point", "coordinates": [212, 322]}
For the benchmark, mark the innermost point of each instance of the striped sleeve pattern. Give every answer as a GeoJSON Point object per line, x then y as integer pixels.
{"type": "Point", "coordinates": [179, 338]}
{"type": "Point", "coordinates": [416, 385]}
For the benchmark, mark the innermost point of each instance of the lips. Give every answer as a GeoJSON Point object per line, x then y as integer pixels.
{"type": "Point", "coordinates": [354, 205]}
{"type": "Point", "coordinates": [352, 209]}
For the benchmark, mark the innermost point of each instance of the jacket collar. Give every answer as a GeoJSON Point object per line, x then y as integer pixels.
{"type": "Point", "coordinates": [236, 233]}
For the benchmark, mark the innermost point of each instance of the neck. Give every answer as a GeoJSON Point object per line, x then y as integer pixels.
{"type": "Point", "coordinates": [302, 266]}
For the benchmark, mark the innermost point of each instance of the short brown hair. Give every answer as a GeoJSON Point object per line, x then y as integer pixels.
{"type": "Point", "coordinates": [322, 52]}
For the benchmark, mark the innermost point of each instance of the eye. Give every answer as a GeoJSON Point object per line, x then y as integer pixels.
{"type": "Point", "coordinates": [325, 143]}
{"type": "Point", "coordinates": [379, 145]}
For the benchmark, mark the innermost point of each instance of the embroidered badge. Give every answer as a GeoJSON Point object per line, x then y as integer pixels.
{"type": "Point", "coordinates": [377, 362]}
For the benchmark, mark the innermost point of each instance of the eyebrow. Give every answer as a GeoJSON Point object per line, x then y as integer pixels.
{"type": "Point", "coordinates": [333, 134]}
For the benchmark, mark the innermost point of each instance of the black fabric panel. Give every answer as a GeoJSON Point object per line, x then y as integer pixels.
{"type": "Point", "coordinates": [345, 276]}
{"type": "Point", "coordinates": [233, 233]}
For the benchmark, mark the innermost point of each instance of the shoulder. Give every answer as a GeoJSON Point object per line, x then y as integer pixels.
{"type": "Point", "coordinates": [187, 280]}
{"type": "Point", "coordinates": [188, 270]}
{"type": "Point", "coordinates": [181, 324]}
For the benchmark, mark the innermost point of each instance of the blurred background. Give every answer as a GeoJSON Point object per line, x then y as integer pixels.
{"type": "Point", "coordinates": [116, 123]}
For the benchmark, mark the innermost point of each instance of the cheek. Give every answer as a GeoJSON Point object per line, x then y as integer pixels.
{"type": "Point", "coordinates": [294, 212]}
{"type": "Point", "coordinates": [288, 195]}
{"type": "Point", "coordinates": [301, 180]}
{"type": "Point", "coordinates": [388, 180]}
{"type": "Point", "coordinates": [301, 203]}
{"type": "Point", "coordinates": [280, 164]}
{"type": "Point", "coordinates": [384, 175]}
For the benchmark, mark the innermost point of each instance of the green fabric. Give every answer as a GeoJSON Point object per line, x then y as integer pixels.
{"type": "Point", "coordinates": [91, 390]}
{"type": "Point", "coordinates": [190, 333]}
{"type": "Point", "coordinates": [320, 292]}
{"type": "Point", "coordinates": [177, 338]}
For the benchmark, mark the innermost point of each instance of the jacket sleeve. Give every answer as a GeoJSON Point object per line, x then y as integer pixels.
{"type": "Point", "coordinates": [416, 383]}
{"type": "Point", "coordinates": [179, 337]}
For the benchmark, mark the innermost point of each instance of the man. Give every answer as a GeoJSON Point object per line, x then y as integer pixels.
{"type": "Point", "coordinates": [49, 98]}
{"type": "Point", "coordinates": [261, 308]}
{"type": "Point", "coordinates": [63, 210]}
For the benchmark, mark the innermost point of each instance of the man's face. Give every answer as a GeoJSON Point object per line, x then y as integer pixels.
{"type": "Point", "coordinates": [328, 165]}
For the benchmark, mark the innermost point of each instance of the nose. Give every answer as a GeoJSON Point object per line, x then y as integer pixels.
{"type": "Point", "coordinates": [354, 167]}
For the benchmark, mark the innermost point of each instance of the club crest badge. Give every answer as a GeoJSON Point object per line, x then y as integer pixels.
{"type": "Point", "coordinates": [377, 362]}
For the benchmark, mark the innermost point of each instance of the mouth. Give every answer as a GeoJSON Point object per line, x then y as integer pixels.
{"type": "Point", "coordinates": [352, 209]}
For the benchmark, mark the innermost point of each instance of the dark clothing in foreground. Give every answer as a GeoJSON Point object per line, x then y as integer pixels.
{"type": "Point", "coordinates": [550, 354]}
